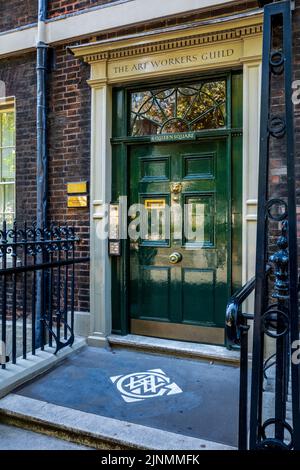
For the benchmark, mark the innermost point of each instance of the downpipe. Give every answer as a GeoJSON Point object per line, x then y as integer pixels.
{"type": "Point", "coordinates": [42, 151]}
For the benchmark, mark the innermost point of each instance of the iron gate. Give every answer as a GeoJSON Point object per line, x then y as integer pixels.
{"type": "Point", "coordinates": [37, 286]}
{"type": "Point", "coordinates": [276, 317]}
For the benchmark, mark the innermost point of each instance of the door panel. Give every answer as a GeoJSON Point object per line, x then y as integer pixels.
{"type": "Point", "coordinates": [183, 188]}
{"type": "Point", "coordinates": [198, 284]}
{"type": "Point", "coordinates": [199, 166]}
{"type": "Point", "coordinates": [155, 283]}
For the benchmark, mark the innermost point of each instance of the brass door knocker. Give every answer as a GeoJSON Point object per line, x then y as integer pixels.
{"type": "Point", "coordinates": [176, 189]}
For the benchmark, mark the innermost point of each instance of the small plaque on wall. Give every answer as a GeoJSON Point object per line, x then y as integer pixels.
{"type": "Point", "coordinates": [77, 188]}
{"type": "Point", "coordinates": [77, 201]}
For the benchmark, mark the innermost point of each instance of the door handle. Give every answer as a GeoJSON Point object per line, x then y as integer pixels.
{"type": "Point", "coordinates": [175, 257]}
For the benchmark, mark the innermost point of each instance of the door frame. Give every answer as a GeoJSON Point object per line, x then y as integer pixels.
{"type": "Point", "coordinates": [121, 144]}
{"type": "Point", "coordinates": [126, 60]}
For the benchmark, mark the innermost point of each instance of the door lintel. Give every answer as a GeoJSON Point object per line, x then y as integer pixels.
{"type": "Point", "coordinates": [228, 44]}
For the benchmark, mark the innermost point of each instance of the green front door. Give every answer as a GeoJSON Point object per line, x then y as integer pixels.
{"type": "Point", "coordinates": [179, 258]}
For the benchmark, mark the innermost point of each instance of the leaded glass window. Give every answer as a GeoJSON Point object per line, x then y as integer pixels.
{"type": "Point", "coordinates": [7, 161]}
{"type": "Point", "coordinates": [179, 109]}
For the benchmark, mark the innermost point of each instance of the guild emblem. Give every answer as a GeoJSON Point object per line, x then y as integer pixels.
{"type": "Point", "coordinates": [143, 385]}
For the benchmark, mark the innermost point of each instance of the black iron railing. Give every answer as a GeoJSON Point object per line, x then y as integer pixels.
{"type": "Point", "coordinates": [37, 288]}
{"type": "Point", "coordinates": [276, 316]}
{"type": "Point", "coordinates": [236, 332]}
{"type": "Point", "coordinates": [236, 329]}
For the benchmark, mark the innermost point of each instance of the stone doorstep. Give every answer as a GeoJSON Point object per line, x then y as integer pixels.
{"type": "Point", "coordinates": [92, 430]}
{"type": "Point", "coordinates": [177, 348]}
{"type": "Point", "coordinates": [27, 369]}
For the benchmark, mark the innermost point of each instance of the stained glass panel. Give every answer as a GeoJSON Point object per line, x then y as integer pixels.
{"type": "Point", "coordinates": [180, 109]}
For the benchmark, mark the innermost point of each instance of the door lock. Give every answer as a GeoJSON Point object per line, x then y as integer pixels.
{"type": "Point", "coordinates": [175, 257]}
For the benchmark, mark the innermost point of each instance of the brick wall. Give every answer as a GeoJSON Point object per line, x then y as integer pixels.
{"type": "Point", "coordinates": [182, 19]}
{"type": "Point", "coordinates": [16, 13]}
{"type": "Point", "coordinates": [68, 140]}
{"type": "Point", "coordinates": [18, 75]}
{"type": "Point", "coordinates": [69, 132]}
{"type": "Point", "coordinates": [62, 7]}
{"type": "Point", "coordinates": [278, 173]}
{"type": "Point", "coordinates": [296, 44]}
{"type": "Point", "coordinates": [69, 151]}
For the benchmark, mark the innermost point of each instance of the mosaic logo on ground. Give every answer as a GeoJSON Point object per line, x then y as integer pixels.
{"type": "Point", "coordinates": [140, 386]}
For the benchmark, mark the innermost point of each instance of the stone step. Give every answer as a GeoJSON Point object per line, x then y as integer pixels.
{"type": "Point", "coordinates": [99, 432]}
{"type": "Point", "coordinates": [206, 352]}
{"type": "Point", "coordinates": [13, 438]}
{"type": "Point", "coordinates": [34, 365]}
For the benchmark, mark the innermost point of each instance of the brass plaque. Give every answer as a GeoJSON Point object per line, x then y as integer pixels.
{"type": "Point", "coordinates": [77, 201]}
{"type": "Point", "coordinates": [77, 188]}
{"type": "Point", "coordinates": [173, 137]}
{"type": "Point", "coordinates": [151, 204]}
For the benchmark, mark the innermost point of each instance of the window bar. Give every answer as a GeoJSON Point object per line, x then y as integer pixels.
{"type": "Point", "coordinates": [13, 234]}
{"type": "Point", "coordinates": [280, 404]}
{"type": "Point", "coordinates": [292, 227]}
{"type": "Point", "coordinates": [66, 285]}
{"type": "Point", "coordinates": [73, 280]}
{"type": "Point", "coordinates": [24, 245]}
{"type": "Point", "coordinates": [278, 320]}
{"type": "Point", "coordinates": [243, 393]}
{"type": "Point", "coordinates": [4, 283]}
{"type": "Point", "coordinates": [43, 291]}
{"type": "Point", "coordinates": [58, 293]}
{"type": "Point", "coordinates": [50, 305]}
{"type": "Point", "coordinates": [33, 344]}
{"type": "Point", "coordinates": [260, 287]}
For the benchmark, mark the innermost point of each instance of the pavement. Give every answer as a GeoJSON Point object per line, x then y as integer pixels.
{"type": "Point", "coordinates": [182, 396]}
{"type": "Point", "coordinates": [12, 438]}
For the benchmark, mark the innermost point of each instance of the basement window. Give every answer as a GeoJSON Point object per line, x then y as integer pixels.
{"type": "Point", "coordinates": [7, 160]}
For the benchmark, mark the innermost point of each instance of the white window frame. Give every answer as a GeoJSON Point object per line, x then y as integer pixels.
{"type": "Point", "coordinates": [9, 105]}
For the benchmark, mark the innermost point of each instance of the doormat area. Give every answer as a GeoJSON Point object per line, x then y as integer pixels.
{"type": "Point", "coordinates": [182, 396]}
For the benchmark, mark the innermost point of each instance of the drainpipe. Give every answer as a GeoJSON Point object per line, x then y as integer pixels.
{"type": "Point", "coordinates": [42, 153]}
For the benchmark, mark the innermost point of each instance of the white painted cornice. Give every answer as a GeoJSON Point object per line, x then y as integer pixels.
{"type": "Point", "coordinates": [22, 40]}
{"type": "Point", "coordinates": [122, 15]}
{"type": "Point", "coordinates": [98, 20]}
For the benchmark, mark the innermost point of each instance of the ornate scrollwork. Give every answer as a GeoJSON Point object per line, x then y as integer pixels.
{"type": "Point", "coordinates": [280, 260]}
{"type": "Point", "coordinates": [276, 313]}
{"type": "Point", "coordinates": [277, 127]}
{"type": "Point", "coordinates": [187, 108]}
{"type": "Point", "coordinates": [60, 344]}
{"type": "Point", "coordinates": [275, 322]}
{"type": "Point", "coordinates": [36, 241]}
{"type": "Point", "coordinates": [277, 203]}
{"type": "Point", "coordinates": [48, 252]}
{"type": "Point", "coordinates": [273, 443]}
{"type": "Point", "coordinates": [277, 62]}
